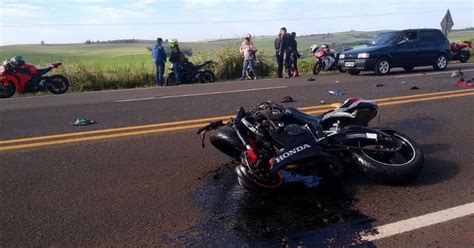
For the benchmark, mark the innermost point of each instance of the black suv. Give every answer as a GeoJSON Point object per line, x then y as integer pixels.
{"type": "Point", "coordinates": [406, 49]}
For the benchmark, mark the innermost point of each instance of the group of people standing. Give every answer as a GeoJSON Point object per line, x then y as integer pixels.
{"type": "Point", "coordinates": [286, 52]}
{"type": "Point", "coordinates": [158, 54]}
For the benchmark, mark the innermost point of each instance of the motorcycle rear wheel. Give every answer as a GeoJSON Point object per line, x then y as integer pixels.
{"type": "Point", "coordinates": [465, 56]}
{"type": "Point", "coordinates": [207, 77]}
{"type": "Point", "coordinates": [171, 80]}
{"type": "Point", "coordinates": [58, 84]}
{"type": "Point", "coordinates": [8, 90]}
{"type": "Point", "coordinates": [392, 168]}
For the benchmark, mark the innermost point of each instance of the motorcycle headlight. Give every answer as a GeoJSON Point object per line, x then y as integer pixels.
{"type": "Point", "coordinates": [342, 56]}
{"type": "Point", "coordinates": [363, 55]}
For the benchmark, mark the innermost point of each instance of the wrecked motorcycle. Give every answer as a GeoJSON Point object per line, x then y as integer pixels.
{"type": "Point", "coordinates": [274, 144]}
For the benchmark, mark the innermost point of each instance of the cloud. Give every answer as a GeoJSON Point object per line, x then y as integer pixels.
{"type": "Point", "coordinates": [18, 10]}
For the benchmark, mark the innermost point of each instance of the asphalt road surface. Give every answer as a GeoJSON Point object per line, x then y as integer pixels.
{"type": "Point", "coordinates": [139, 177]}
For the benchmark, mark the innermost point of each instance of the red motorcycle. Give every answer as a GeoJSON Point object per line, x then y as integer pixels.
{"type": "Point", "coordinates": [461, 51]}
{"type": "Point", "coordinates": [17, 76]}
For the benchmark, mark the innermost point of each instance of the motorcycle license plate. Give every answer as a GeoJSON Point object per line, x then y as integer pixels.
{"type": "Point", "coordinates": [349, 64]}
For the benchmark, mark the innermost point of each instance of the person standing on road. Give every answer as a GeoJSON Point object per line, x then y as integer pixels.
{"type": "Point", "coordinates": [294, 55]}
{"type": "Point", "coordinates": [176, 58]}
{"type": "Point", "coordinates": [158, 54]}
{"type": "Point", "coordinates": [279, 58]}
{"type": "Point", "coordinates": [248, 51]}
{"type": "Point", "coordinates": [283, 52]}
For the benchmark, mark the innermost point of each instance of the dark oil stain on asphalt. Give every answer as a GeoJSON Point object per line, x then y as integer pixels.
{"type": "Point", "coordinates": [297, 216]}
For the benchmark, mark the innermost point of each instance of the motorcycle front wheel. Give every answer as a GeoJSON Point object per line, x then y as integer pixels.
{"type": "Point", "coordinates": [316, 68]}
{"type": "Point", "coordinates": [391, 167]}
{"type": "Point", "coordinates": [58, 84]}
{"type": "Point", "coordinates": [7, 90]}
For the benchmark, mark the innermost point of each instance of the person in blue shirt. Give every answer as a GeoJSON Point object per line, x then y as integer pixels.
{"type": "Point", "coordinates": [159, 58]}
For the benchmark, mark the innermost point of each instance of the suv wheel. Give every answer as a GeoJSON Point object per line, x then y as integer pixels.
{"type": "Point", "coordinates": [441, 62]}
{"type": "Point", "coordinates": [382, 67]}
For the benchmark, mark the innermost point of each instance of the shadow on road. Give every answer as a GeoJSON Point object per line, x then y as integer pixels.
{"type": "Point", "coordinates": [295, 216]}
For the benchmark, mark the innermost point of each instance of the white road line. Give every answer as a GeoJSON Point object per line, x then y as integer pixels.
{"type": "Point", "coordinates": [403, 226]}
{"type": "Point", "coordinates": [427, 74]}
{"type": "Point", "coordinates": [200, 94]}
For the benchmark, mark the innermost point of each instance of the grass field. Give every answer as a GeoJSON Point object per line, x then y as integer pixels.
{"type": "Point", "coordinates": [127, 65]}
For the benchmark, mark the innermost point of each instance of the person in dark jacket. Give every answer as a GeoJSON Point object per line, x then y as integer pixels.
{"type": "Point", "coordinates": [158, 54]}
{"type": "Point", "coordinates": [294, 55]}
{"type": "Point", "coordinates": [284, 50]}
{"type": "Point", "coordinates": [176, 57]}
{"type": "Point", "coordinates": [279, 58]}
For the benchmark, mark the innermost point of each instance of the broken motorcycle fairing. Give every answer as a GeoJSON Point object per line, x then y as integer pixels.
{"type": "Point", "coordinates": [272, 141]}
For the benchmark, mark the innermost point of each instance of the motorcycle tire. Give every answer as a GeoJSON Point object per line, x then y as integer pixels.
{"type": "Point", "coordinates": [253, 184]}
{"type": "Point", "coordinates": [171, 80]}
{"type": "Point", "coordinates": [394, 168]}
{"type": "Point", "coordinates": [8, 90]}
{"type": "Point", "coordinates": [464, 57]}
{"type": "Point", "coordinates": [316, 68]}
{"type": "Point", "coordinates": [207, 77]}
{"type": "Point", "coordinates": [58, 84]}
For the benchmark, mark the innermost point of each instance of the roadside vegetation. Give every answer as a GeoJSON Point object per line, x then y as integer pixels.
{"type": "Point", "coordinates": [107, 65]}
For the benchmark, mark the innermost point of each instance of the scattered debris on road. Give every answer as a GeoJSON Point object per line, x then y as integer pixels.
{"type": "Point", "coordinates": [322, 102]}
{"type": "Point", "coordinates": [415, 88]}
{"type": "Point", "coordinates": [461, 83]}
{"type": "Point", "coordinates": [458, 73]}
{"type": "Point", "coordinates": [311, 79]}
{"type": "Point", "coordinates": [379, 85]}
{"type": "Point", "coordinates": [336, 92]}
{"type": "Point", "coordinates": [287, 99]}
{"type": "Point", "coordinates": [83, 122]}
{"type": "Point", "coordinates": [403, 82]}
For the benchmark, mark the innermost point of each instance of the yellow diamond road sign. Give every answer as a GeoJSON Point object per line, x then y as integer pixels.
{"type": "Point", "coordinates": [447, 23]}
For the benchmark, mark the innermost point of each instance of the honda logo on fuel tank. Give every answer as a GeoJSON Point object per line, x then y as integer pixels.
{"type": "Point", "coordinates": [292, 152]}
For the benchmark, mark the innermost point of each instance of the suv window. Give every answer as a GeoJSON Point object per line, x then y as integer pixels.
{"type": "Point", "coordinates": [427, 36]}
{"type": "Point", "coordinates": [409, 36]}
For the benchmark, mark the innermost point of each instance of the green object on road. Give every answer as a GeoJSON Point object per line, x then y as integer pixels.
{"type": "Point", "coordinates": [83, 122]}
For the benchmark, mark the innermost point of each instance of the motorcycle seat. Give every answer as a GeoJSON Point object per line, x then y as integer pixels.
{"type": "Point", "coordinates": [43, 70]}
{"type": "Point", "coordinates": [305, 117]}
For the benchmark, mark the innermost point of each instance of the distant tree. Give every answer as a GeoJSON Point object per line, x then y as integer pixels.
{"type": "Point", "coordinates": [88, 42]}
{"type": "Point", "coordinates": [98, 41]}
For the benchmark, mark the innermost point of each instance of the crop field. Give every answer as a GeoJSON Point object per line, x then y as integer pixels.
{"type": "Point", "coordinates": [99, 66]}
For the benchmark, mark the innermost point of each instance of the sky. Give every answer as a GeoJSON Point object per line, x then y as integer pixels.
{"type": "Point", "coordinates": [75, 21]}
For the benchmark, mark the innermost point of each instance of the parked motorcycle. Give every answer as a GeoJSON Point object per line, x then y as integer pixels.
{"type": "Point", "coordinates": [25, 78]}
{"type": "Point", "coordinates": [326, 59]}
{"type": "Point", "coordinates": [274, 143]}
{"type": "Point", "coordinates": [191, 73]}
{"type": "Point", "coordinates": [461, 51]}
